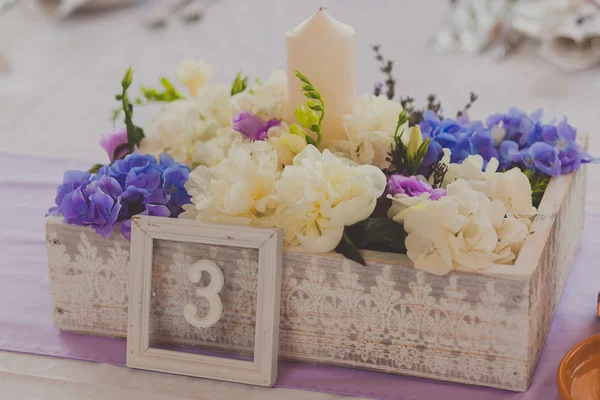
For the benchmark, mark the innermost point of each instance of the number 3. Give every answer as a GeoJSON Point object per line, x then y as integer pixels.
{"type": "Point", "coordinates": [210, 293]}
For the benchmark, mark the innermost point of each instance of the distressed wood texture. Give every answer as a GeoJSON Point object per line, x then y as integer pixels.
{"type": "Point", "coordinates": [477, 328]}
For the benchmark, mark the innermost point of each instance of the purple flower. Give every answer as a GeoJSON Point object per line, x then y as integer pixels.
{"type": "Point", "coordinates": [138, 163]}
{"type": "Point", "coordinates": [149, 181]}
{"type": "Point", "coordinates": [132, 201]}
{"type": "Point", "coordinates": [115, 144]}
{"type": "Point", "coordinates": [153, 210]}
{"type": "Point", "coordinates": [253, 126]}
{"type": "Point", "coordinates": [518, 125]}
{"type": "Point", "coordinates": [74, 207]}
{"type": "Point", "coordinates": [71, 181]}
{"type": "Point", "coordinates": [137, 184]}
{"type": "Point", "coordinates": [412, 187]}
{"type": "Point", "coordinates": [449, 133]}
{"type": "Point", "coordinates": [482, 143]}
{"type": "Point", "coordinates": [175, 178]}
{"type": "Point", "coordinates": [107, 184]}
{"type": "Point", "coordinates": [562, 137]}
{"type": "Point", "coordinates": [543, 157]}
{"type": "Point", "coordinates": [102, 213]}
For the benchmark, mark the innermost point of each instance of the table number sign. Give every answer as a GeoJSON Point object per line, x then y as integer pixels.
{"type": "Point", "coordinates": [262, 369]}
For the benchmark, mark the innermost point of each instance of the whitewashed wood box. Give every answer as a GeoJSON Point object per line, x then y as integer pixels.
{"type": "Point", "coordinates": [477, 328]}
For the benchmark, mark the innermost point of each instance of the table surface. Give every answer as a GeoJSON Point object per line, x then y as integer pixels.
{"type": "Point", "coordinates": [57, 98]}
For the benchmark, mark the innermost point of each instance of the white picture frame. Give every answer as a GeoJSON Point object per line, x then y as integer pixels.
{"type": "Point", "coordinates": [262, 370]}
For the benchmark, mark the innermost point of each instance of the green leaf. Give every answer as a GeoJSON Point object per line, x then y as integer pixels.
{"type": "Point", "coordinates": [307, 116]}
{"type": "Point", "coordinates": [539, 182]}
{"type": "Point", "coordinates": [349, 250]}
{"type": "Point", "coordinates": [95, 168]}
{"type": "Point", "coordinates": [378, 234]}
{"type": "Point", "coordinates": [239, 84]}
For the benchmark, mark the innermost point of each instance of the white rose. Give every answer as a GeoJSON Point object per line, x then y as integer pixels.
{"type": "Point", "coordinates": [370, 130]}
{"type": "Point", "coordinates": [320, 194]}
{"type": "Point", "coordinates": [239, 189]}
{"type": "Point", "coordinates": [267, 100]}
{"type": "Point", "coordinates": [194, 74]}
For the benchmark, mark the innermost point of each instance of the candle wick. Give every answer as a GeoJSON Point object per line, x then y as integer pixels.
{"type": "Point", "coordinates": [322, 8]}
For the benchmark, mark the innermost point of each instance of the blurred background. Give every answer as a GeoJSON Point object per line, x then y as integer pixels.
{"type": "Point", "coordinates": [61, 61]}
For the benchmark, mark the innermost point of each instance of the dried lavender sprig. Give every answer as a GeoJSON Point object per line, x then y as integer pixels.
{"type": "Point", "coordinates": [386, 67]}
{"type": "Point", "coordinates": [438, 171]}
{"type": "Point", "coordinates": [472, 99]}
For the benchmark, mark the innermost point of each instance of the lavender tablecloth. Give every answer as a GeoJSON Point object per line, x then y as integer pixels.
{"type": "Point", "coordinates": [27, 188]}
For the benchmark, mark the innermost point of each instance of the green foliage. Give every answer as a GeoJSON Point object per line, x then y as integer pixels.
{"type": "Point", "coordinates": [135, 134]}
{"type": "Point", "coordinates": [167, 95]}
{"type": "Point", "coordinates": [348, 249]}
{"type": "Point", "coordinates": [539, 182]}
{"type": "Point", "coordinates": [374, 233]}
{"type": "Point", "coordinates": [95, 168]}
{"type": "Point", "coordinates": [239, 84]}
{"type": "Point", "coordinates": [311, 114]}
{"type": "Point", "coordinates": [403, 162]}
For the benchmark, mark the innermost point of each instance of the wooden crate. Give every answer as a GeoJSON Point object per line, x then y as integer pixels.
{"type": "Point", "coordinates": [484, 328]}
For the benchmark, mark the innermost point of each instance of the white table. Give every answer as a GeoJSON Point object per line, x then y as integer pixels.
{"type": "Point", "coordinates": [58, 98]}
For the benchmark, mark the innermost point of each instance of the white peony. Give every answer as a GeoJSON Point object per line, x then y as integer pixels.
{"type": "Point", "coordinates": [267, 100]}
{"type": "Point", "coordinates": [194, 74]}
{"type": "Point", "coordinates": [239, 189]}
{"type": "Point", "coordinates": [370, 130]}
{"type": "Point", "coordinates": [320, 194]}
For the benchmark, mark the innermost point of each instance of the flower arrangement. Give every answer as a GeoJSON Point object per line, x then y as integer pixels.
{"type": "Point", "coordinates": [451, 193]}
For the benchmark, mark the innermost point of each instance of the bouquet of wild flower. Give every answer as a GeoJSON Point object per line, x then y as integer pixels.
{"type": "Point", "coordinates": [449, 193]}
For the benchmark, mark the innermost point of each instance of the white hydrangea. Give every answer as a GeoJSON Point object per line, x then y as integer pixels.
{"type": "Point", "coordinates": [320, 194]}
{"type": "Point", "coordinates": [462, 230]}
{"type": "Point", "coordinates": [267, 100]}
{"type": "Point", "coordinates": [370, 130]}
{"type": "Point", "coordinates": [238, 190]}
{"type": "Point", "coordinates": [191, 130]}
{"type": "Point", "coordinates": [511, 187]}
{"type": "Point", "coordinates": [194, 74]}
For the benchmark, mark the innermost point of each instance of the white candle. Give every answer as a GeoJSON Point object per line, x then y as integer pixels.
{"type": "Point", "coordinates": [322, 49]}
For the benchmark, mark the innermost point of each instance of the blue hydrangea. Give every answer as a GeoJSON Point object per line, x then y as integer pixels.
{"type": "Point", "coordinates": [514, 138]}
{"type": "Point", "coordinates": [137, 184]}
